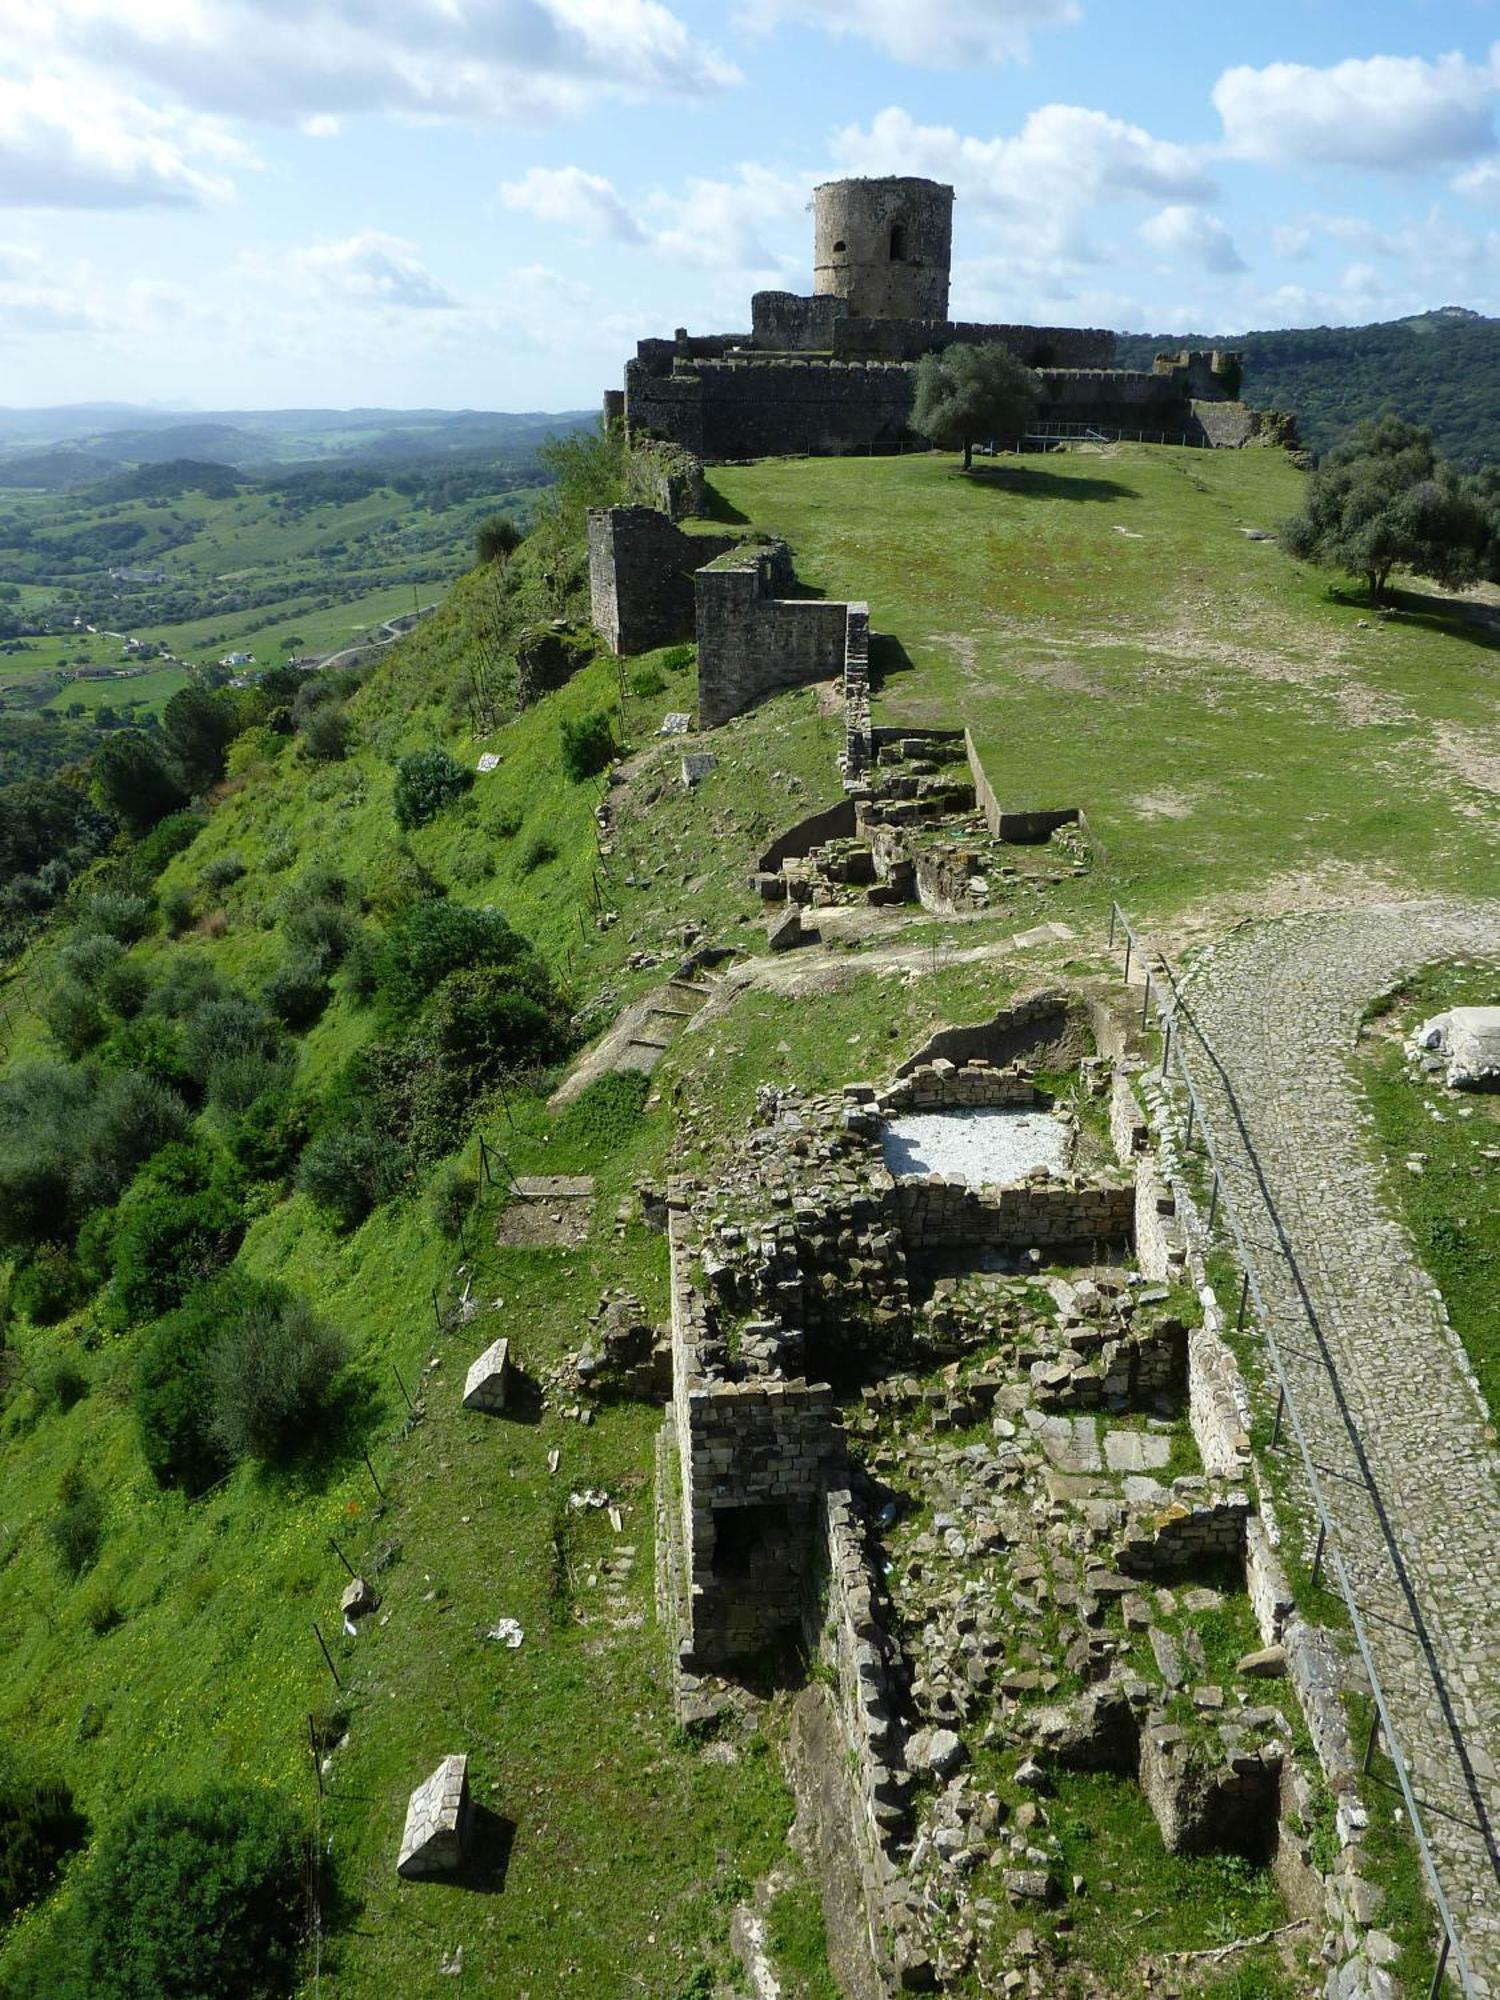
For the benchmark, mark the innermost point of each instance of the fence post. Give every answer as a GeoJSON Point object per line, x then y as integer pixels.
{"type": "Point", "coordinates": [1166, 1055]}
{"type": "Point", "coordinates": [312, 1737]}
{"type": "Point", "coordinates": [1129, 941]}
{"type": "Point", "coordinates": [1280, 1413]}
{"type": "Point", "coordinates": [1442, 1967]}
{"type": "Point", "coordinates": [328, 1657]}
{"type": "Point", "coordinates": [1187, 1137]}
{"type": "Point", "coordinates": [1213, 1200]}
{"type": "Point", "coordinates": [380, 1490]}
{"type": "Point", "coordinates": [1113, 909]}
{"type": "Point", "coordinates": [1239, 1325]}
{"type": "Point", "coordinates": [1317, 1568]}
{"type": "Point", "coordinates": [1370, 1741]}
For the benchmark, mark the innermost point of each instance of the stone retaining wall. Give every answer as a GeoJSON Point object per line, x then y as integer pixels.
{"type": "Point", "coordinates": [754, 638]}
{"type": "Point", "coordinates": [944, 1086]}
{"type": "Point", "coordinates": [641, 577]}
{"type": "Point", "coordinates": [937, 1214]}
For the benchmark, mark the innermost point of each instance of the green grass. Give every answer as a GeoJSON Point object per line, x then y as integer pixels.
{"type": "Point", "coordinates": [798, 1940]}
{"type": "Point", "coordinates": [1452, 1206]}
{"type": "Point", "coordinates": [1115, 641]}
{"type": "Point", "coordinates": [149, 691]}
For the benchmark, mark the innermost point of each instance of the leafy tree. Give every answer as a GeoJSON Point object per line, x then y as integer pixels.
{"type": "Point", "coordinates": [164, 1245]}
{"type": "Point", "coordinates": [77, 1528]}
{"type": "Point", "coordinates": [184, 1898]}
{"type": "Point", "coordinates": [135, 779]}
{"type": "Point", "coordinates": [426, 782]}
{"type": "Point", "coordinates": [497, 538]}
{"type": "Point", "coordinates": [968, 393]}
{"type": "Point", "coordinates": [42, 818]}
{"type": "Point", "coordinates": [1385, 500]}
{"type": "Point", "coordinates": [348, 1170]}
{"type": "Point", "coordinates": [197, 726]}
{"type": "Point", "coordinates": [168, 837]}
{"type": "Point", "coordinates": [327, 733]}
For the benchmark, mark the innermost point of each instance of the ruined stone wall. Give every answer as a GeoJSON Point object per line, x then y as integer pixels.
{"type": "Point", "coordinates": [835, 822]}
{"type": "Point", "coordinates": [666, 477]}
{"type": "Point", "coordinates": [1049, 1022]}
{"type": "Point", "coordinates": [785, 408]}
{"type": "Point", "coordinates": [1026, 828]}
{"type": "Point", "coordinates": [1226, 426]}
{"type": "Point", "coordinates": [641, 576]}
{"type": "Point", "coordinates": [785, 323]}
{"type": "Point", "coordinates": [938, 1215]}
{"type": "Point", "coordinates": [943, 1086]}
{"type": "Point", "coordinates": [752, 640]}
{"type": "Point", "coordinates": [909, 339]}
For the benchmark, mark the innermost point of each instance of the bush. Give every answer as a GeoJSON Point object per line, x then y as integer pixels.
{"type": "Point", "coordinates": [50, 1286]}
{"type": "Point", "coordinates": [450, 1197]}
{"type": "Point", "coordinates": [118, 913]}
{"type": "Point", "coordinates": [60, 1384]}
{"type": "Point", "coordinates": [75, 1020]}
{"type": "Point", "coordinates": [432, 938]}
{"type": "Point", "coordinates": [189, 1897]}
{"type": "Point", "coordinates": [538, 851]}
{"type": "Point", "coordinates": [270, 1373]}
{"type": "Point", "coordinates": [297, 992]}
{"type": "Point", "coordinates": [164, 1245]}
{"type": "Point", "coordinates": [426, 783]}
{"type": "Point", "coordinates": [238, 1081]}
{"type": "Point", "coordinates": [39, 1828]}
{"type": "Point", "coordinates": [497, 537]}
{"type": "Point", "coordinates": [269, 1134]}
{"type": "Point", "coordinates": [176, 906]}
{"type": "Point", "coordinates": [489, 1020]}
{"type": "Point", "coordinates": [77, 1528]}
{"type": "Point", "coordinates": [172, 1393]}
{"type": "Point", "coordinates": [646, 681]}
{"type": "Point", "coordinates": [677, 659]}
{"type": "Point", "coordinates": [348, 1171]}
{"type": "Point", "coordinates": [327, 734]}
{"type": "Point", "coordinates": [588, 744]}
{"type": "Point", "coordinates": [168, 837]}
{"type": "Point", "coordinates": [220, 873]}
{"type": "Point", "coordinates": [129, 1117]}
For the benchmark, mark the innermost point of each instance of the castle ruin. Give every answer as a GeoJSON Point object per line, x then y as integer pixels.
{"type": "Point", "coordinates": [833, 373]}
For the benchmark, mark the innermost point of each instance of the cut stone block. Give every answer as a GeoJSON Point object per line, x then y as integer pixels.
{"type": "Point", "coordinates": [436, 1835]}
{"type": "Point", "coordinates": [697, 765]}
{"type": "Point", "coordinates": [358, 1600]}
{"type": "Point", "coordinates": [1136, 1451]}
{"type": "Point", "coordinates": [484, 1385]}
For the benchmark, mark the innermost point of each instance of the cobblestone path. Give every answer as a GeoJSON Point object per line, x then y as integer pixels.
{"type": "Point", "coordinates": [1413, 1481]}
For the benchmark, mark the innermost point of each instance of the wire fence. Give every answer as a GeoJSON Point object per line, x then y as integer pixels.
{"type": "Point", "coordinates": [1177, 1026]}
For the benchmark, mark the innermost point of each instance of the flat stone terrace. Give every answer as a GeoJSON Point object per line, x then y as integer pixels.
{"type": "Point", "coordinates": [1280, 1006]}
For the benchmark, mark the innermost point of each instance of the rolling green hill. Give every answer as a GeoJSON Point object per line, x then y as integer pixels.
{"type": "Point", "coordinates": [1440, 368]}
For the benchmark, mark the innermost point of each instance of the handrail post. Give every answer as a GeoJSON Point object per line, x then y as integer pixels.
{"type": "Point", "coordinates": [1317, 1568]}
{"type": "Point", "coordinates": [1276, 1426]}
{"type": "Point", "coordinates": [1239, 1325]}
{"type": "Point", "coordinates": [1440, 1969]}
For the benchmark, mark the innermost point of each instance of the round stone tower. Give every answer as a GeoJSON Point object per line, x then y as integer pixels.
{"type": "Point", "coordinates": [885, 246]}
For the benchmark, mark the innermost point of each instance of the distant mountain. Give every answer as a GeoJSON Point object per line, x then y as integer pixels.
{"type": "Point", "coordinates": [1440, 368]}
{"type": "Point", "coordinates": [55, 471]}
{"type": "Point", "coordinates": [261, 438]}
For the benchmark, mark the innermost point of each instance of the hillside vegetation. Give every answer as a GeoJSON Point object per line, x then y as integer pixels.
{"type": "Point", "coordinates": [253, 1241]}
{"type": "Point", "coordinates": [1440, 368]}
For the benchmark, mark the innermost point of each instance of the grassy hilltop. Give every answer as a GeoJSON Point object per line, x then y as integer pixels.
{"type": "Point", "coordinates": [1237, 736]}
{"type": "Point", "coordinates": [1236, 731]}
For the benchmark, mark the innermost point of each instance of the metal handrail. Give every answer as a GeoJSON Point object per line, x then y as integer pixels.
{"type": "Point", "coordinates": [1170, 1008]}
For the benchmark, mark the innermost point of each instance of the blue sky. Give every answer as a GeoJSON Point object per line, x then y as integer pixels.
{"type": "Point", "coordinates": [484, 203]}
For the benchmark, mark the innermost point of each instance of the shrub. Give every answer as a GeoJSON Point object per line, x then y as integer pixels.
{"type": "Point", "coordinates": [168, 837]}
{"type": "Point", "coordinates": [118, 913]}
{"type": "Point", "coordinates": [432, 938]}
{"type": "Point", "coordinates": [497, 538]}
{"type": "Point", "coordinates": [327, 734]}
{"type": "Point", "coordinates": [130, 1117]}
{"type": "Point", "coordinates": [89, 957]}
{"type": "Point", "coordinates": [297, 992]}
{"type": "Point", "coordinates": [176, 906]}
{"type": "Point", "coordinates": [166, 1243]}
{"type": "Point", "coordinates": [450, 1197]}
{"type": "Point", "coordinates": [49, 1286]}
{"type": "Point", "coordinates": [220, 873]}
{"type": "Point", "coordinates": [538, 851]}
{"type": "Point", "coordinates": [269, 1134]}
{"type": "Point", "coordinates": [189, 1897]}
{"type": "Point", "coordinates": [347, 1171]}
{"type": "Point", "coordinates": [171, 1398]}
{"type": "Point", "coordinates": [495, 1018]}
{"type": "Point", "coordinates": [75, 1019]}
{"type": "Point", "coordinates": [39, 1828]}
{"type": "Point", "coordinates": [60, 1384]}
{"type": "Point", "coordinates": [238, 1081]}
{"type": "Point", "coordinates": [426, 782]}
{"type": "Point", "coordinates": [270, 1373]}
{"type": "Point", "coordinates": [77, 1528]}
{"type": "Point", "coordinates": [677, 659]}
{"type": "Point", "coordinates": [135, 779]}
{"type": "Point", "coordinates": [319, 927]}
{"type": "Point", "coordinates": [588, 744]}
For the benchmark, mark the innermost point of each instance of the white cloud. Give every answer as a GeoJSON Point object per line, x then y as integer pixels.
{"type": "Point", "coordinates": [584, 203]}
{"type": "Point", "coordinates": [1062, 154]}
{"type": "Point", "coordinates": [70, 141]}
{"type": "Point", "coordinates": [283, 64]}
{"type": "Point", "coordinates": [1292, 241]}
{"type": "Point", "coordinates": [1482, 181]}
{"type": "Point", "coordinates": [1387, 111]}
{"type": "Point", "coordinates": [366, 271]}
{"type": "Point", "coordinates": [939, 34]}
{"type": "Point", "coordinates": [1184, 234]}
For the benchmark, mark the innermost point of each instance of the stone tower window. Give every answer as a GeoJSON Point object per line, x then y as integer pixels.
{"type": "Point", "coordinates": [898, 242]}
{"type": "Point", "coordinates": [840, 247]}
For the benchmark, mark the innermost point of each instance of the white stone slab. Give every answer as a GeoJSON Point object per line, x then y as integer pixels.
{"type": "Point", "coordinates": [981, 1145]}
{"type": "Point", "coordinates": [484, 1385]}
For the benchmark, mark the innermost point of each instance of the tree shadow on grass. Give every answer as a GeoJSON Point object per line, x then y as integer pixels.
{"type": "Point", "coordinates": [1029, 482]}
{"type": "Point", "coordinates": [1451, 617]}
